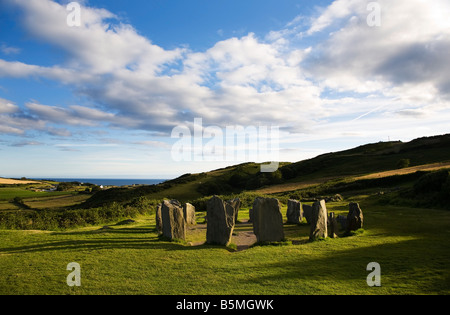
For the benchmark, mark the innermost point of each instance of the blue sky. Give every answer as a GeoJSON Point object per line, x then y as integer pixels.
{"type": "Point", "coordinates": [101, 99]}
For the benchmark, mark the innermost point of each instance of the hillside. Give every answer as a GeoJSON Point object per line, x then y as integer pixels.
{"type": "Point", "coordinates": [376, 160]}
{"type": "Point", "coordinates": [405, 230]}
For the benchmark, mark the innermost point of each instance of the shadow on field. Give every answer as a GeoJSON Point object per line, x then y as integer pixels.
{"type": "Point", "coordinates": [124, 238]}
{"type": "Point", "coordinates": [102, 244]}
{"type": "Point", "coordinates": [404, 264]}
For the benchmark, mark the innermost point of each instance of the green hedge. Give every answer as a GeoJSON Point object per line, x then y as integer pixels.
{"type": "Point", "coordinates": [64, 219]}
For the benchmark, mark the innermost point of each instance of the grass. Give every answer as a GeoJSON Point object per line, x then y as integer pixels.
{"type": "Point", "coordinates": [9, 193]}
{"type": "Point", "coordinates": [56, 201]}
{"type": "Point", "coordinates": [411, 246]}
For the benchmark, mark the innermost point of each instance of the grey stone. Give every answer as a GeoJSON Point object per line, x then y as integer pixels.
{"type": "Point", "coordinates": [250, 215]}
{"type": "Point", "coordinates": [173, 222]}
{"type": "Point", "coordinates": [294, 211]}
{"type": "Point", "coordinates": [307, 213]}
{"type": "Point", "coordinates": [267, 220]}
{"type": "Point", "coordinates": [189, 214]}
{"type": "Point", "coordinates": [318, 221]}
{"type": "Point", "coordinates": [342, 221]}
{"type": "Point", "coordinates": [159, 223]}
{"type": "Point", "coordinates": [220, 221]}
{"type": "Point", "coordinates": [335, 198]}
{"type": "Point", "coordinates": [355, 217]}
{"type": "Point", "coordinates": [333, 228]}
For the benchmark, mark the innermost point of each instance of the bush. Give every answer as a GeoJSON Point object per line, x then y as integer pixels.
{"type": "Point", "coordinates": [403, 163]}
{"type": "Point", "coordinates": [54, 220]}
{"type": "Point", "coordinates": [18, 200]}
{"type": "Point", "coordinates": [432, 182]}
{"type": "Point", "coordinates": [65, 186]}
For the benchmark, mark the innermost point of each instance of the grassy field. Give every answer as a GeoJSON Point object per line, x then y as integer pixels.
{"type": "Point", "coordinates": [9, 181]}
{"type": "Point", "coordinates": [8, 193]}
{"type": "Point", "coordinates": [411, 245]}
{"type": "Point", "coordinates": [37, 199]}
{"type": "Point", "coordinates": [406, 231]}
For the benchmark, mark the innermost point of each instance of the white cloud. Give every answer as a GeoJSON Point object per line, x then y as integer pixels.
{"type": "Point", "coordinates": [7, 107]}
{"type": "Point", "coordinates": [401, 68]}
{"type": "Point", "coordinates": [26, 143]}
{"type": "Point", "coordinates": [74, 115]}
{"type": "Point", "coordinates": [239, 80]}
{"type": "Point", "coordinates": [9, 50]}
{"type": "Point", "coordinates": [96, 46]}
{"type": "Point", "coordinates": [409, 48]}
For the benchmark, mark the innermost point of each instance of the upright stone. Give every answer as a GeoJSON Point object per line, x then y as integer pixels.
{"type": "Point", "coordinates": [236, 203]}
{"type": "Point", "coordinates": [318, 221]}
{"type": "Point", "coordinates": [354, 218]}
{"type": "Point", "coordinates": [333, 228]}
{"type": "Point", "coordinates": [189, 214]}
{"type": "Point", "coordinates": [220, 221]}
{"type": "Point", "coordinates": [342, 221]}
{"type": "Point", "coordinates": [250, 215]}
{"type": "Point", "coordinates": [267, 220]}
{"type": "Point", "coordinates": [159, 224]}
{"type": "Point", "coordinates": [307, 213]}
{"type": "Point", "coordinates": [294, 211]}
{"type": "Point", "coordinates": [173, 222]}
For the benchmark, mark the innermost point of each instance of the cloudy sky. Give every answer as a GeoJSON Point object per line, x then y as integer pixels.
{"type": "Point", "coordinates": [101, 99]}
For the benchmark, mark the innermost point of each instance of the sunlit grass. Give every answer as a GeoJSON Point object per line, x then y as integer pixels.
{"type": "Point", "coordinates": [411, 246]}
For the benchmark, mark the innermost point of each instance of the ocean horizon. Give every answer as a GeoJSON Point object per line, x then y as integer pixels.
{"type": "Point", "coordinates": [107, 181]}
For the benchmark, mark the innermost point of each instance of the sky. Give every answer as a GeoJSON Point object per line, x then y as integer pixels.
{"type": "Point", "coordinates": [114, 88]}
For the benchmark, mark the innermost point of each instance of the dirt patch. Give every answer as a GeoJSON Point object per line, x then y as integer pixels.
{"type": "Point", "coordinates": [243, 235]}
{"type": "Point", "coordinates": [244, 240]}
{"type": "Point", "coordinates": [408, 170]}
{"type": "Point", "coordinates": [301, 185]}
{"type": "Point", "coordinates": [288, 187]}
{"type": "Point", "coordinates": [8, 181]}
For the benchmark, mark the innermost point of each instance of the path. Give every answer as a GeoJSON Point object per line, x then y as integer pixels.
{"type": "Point", "coordinates": [243, 235]}
{"type": "Point", "coordinates": [305, 184]}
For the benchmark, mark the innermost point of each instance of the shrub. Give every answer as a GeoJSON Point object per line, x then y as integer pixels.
{"type": "Point", "coordinates": [403, 163]}
{"type": "Point", "coordinates": [53, 220]}
{"type": "Point", "coordinates": [432, 182]}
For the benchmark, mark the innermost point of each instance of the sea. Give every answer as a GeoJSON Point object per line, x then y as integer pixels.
{"type": "Point", "coordinates": [108, 181]}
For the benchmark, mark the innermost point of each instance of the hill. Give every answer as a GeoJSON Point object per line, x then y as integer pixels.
{"type": "Point", "coordinates": [368, 161]}
{"type": "Point", "coordinates": [405, 231]}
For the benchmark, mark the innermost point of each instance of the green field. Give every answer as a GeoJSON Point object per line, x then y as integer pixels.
{"type": "Point", "coordinates": [411, 245]}
{"type": "Point", "coordinates": [9, 193]}
{"type": "Point", "coordinates": [406, 230]}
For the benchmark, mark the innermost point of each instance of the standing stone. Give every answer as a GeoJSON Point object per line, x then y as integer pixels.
{"type": "Point", "coordinates": [250, 215]}
{"type": "Point", "coordinates": [307, 213]}
{"type": "Point", "coordinates": [294, 211]}
{"type": "Point", "coordinates": [267, 220]}
{"type": "Point", "coordinates": [220, 221]}
{"type": "Point", "coordinates": [173, 222]}
{"type": "Point", "coordinates": [159, 223]}
{"type": "Point", "coordinates": [318, 221]}
{"type": "Point", "coordinates": [342, 221]}
{"type": "Point", "coordinates": [354, 218]}
{"type": "Point", "coordinates": [236, 203]}
{"type": "Point", "coordinates": [189, 214]}
{"type": "Point", "coordinates": [332, 226]}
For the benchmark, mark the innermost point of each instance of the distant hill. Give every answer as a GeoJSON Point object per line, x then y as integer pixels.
{"type": "Point", "coordinates": [356, 162]}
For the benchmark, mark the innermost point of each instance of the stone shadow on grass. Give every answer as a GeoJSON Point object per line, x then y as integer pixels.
{"type": "Point", "coordinates": [399, 260]}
